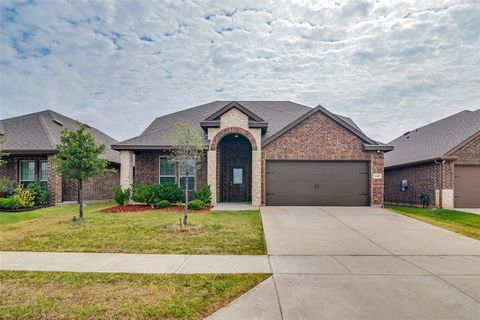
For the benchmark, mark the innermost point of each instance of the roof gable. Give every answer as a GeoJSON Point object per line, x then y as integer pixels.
{"type": "Point", "coordinates": [216, 115]}
{"type": "Point", "coordinates": [330, 115]}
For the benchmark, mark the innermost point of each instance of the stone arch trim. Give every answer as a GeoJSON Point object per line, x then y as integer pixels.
{"type": "Point", "coordinates": [232, 130]}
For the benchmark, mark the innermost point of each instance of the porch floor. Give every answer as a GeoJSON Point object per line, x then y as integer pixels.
{"type": "Point", "coordinates": [234, 206]}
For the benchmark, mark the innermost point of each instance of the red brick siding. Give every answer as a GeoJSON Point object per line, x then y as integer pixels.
{"type": "Point", "coordinates": [97, 188]}
{"type": "Point", "coordinates": [469, 154]}
{"type": "Point", "coordinates": [425, 178]}
{"type": "Point", "coordinates": [147, 168]}
{"type": "Point", "coordinates": [320, 138]}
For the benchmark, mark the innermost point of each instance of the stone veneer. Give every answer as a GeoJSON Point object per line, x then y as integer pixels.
{"type": "Point", "coordinates": [235, 122]}
{"type": "Point", "coordinates": [320, 138]}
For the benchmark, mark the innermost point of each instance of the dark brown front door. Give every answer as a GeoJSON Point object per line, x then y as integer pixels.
{"type": "Point", "coordinates": [237, 190]}
{"type": "Point", "coordinates": [467, 186]}
{"type": "Point", "coordinates": [317, 183]}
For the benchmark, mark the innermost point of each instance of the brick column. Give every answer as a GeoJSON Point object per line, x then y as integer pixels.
{"type": "Point", "coordinates": [54, 183]}
{"type": "Point", "coordinates": [126, 168]}
{"type": "Point", "coordinates": [256, 178]}
{"type": "Point", "coordinates": [377, 178]}
{"type": "Point", "coordinates": [212, 174]}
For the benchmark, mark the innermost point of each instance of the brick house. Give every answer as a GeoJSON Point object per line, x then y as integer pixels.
{"type": "Point", "coordinates": [441, 160]}
{"type": "Point", "coordinates": [266, 153]}
{"type": "Point", "coordinates": [31, 140]}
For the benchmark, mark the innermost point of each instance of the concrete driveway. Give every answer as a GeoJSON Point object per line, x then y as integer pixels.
{"type": "Point", "coordinates": [361, 263]}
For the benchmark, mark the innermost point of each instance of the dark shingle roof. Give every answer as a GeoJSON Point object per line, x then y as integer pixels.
{"type": "Point", "coordinates": [40, 133]}
{"type": "Point", "coordinates": [433, 140]}
{"type": "Point", "coordinates": [278, 114]}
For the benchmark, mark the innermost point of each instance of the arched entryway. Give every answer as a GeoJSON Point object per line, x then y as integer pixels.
{"type": "Point", "coordinates": [234, 161]}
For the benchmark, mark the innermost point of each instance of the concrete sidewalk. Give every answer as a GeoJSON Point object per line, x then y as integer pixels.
{"type": "Point", "coordinates": [133, 263]}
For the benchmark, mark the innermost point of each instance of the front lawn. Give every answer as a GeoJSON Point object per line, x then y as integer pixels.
{"type": "Point", "coordinates": [52, 229]}
{"type": "Point", "coordinates": [61, 295]}
{"type": "Point", "coordinates": [465, 223]}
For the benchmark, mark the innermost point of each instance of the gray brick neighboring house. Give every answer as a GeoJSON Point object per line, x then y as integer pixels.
{"type": "Point", "coordinates": [30, 141]}
{"type": "Point", "coordinates": [441, 160]}
{"type": "Point", "coordinates": [265, 153]}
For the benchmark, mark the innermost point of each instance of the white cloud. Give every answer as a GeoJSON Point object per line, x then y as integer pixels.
{"type": "Point", "coordinates": [390, 65]}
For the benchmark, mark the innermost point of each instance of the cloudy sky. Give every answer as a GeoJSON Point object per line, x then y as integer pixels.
{"type": "Point", "coordinates": [116, 65]}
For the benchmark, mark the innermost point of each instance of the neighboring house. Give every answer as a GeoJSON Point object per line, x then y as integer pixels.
{"type": "Point", "coordinates": [30, 141]}
{"type": "Point", "coordinates": [453, 144]}
{"type": "Point", "coordinates": [265, 152]}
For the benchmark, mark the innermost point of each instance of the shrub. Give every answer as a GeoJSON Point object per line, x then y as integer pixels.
{"type": "Point", "coordinates": [171, 192]}
{"type": "Point", "coordinates": [162, 204]}
{"type": "Point", "coordinates": [196, 204]}
{"type": "Point", "coordinates": [142, 193]}
{"type": "Point", "coordinates": [39, 192]}
{"type": "Point", "coordinates": [6, 187]}
{"type": "Point", "coordinates": [26, 197]}
{"type": "Point", "coordinates": [121, 196]}
{"type": "Point", "coordinates": [204, 194]}
{"type": "Point", "coordinates": [10, 203]}
{"type": "Point", "coordinates": [154, 193]}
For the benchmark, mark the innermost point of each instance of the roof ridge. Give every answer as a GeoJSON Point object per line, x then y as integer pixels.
{"type": "Point", "coordinates": [46, 129]}
{"type": "Point", "coordinates": [432, 123]}
{"type": "Point", "coordinates": [270, 107]}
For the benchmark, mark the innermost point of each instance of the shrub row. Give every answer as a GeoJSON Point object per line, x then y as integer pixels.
{"type": "Point", "coordinates": [161, 195]}
{"type": "Point", "coordinates": [34, 194]}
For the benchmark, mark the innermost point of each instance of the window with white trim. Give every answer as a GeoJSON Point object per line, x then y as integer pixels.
{"type": "Point", "coordinates": [190, 166]}
{"type": "Point", "coordinates": [27, 172]}
{"type": "Point", "coordinates": [167, 171]}
{"type": "Point", "coordinates": [43, 172]}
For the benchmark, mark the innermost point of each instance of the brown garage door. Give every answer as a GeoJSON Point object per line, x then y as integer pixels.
{"type": "Point", "coordinates": [317, 183]}
{"type": "Point", "coordinates": [467, 187]}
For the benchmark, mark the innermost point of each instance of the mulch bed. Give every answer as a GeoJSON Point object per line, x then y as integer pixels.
{"type": "Point", "coordinates": [143, 208]}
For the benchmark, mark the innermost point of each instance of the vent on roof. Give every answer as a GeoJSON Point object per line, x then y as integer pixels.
{"type": "Point", "coordinates": [406, 133]}
{"type": "Point", "coordinates": [56, 121]}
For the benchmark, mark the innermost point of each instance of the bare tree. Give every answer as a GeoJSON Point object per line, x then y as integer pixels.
{"type": "Point", "coordinates": [188, 147]}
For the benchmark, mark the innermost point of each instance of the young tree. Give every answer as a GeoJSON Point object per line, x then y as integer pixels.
{"type": "Point", "coordinates": [78, 158]}
{"type": "Point", "coordinates": [187, 148]}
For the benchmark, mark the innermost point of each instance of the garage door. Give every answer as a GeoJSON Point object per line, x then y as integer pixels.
{"type": "Point", "coordinates": [467, 187]}
{"type": "Point", "coordinates": [317, 183]}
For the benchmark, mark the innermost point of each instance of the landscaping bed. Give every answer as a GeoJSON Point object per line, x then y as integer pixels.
{"type": "Point", "coordinates": [143, 208]}
{"type": "Point", "coordinates": [26, 209]}
{"type": "Point", "coordinates": [153, 231]}
{"type": "Point", "coordinates": [63, 295]}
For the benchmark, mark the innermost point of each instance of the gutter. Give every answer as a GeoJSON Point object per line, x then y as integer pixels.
{"type": "Point", "coordinates": [408, 164]}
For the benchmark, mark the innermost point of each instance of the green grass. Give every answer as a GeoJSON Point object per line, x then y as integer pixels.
{"type": "Point", "coordinates": [52, 229]}
{"type": "Point", "coordinates": [465, 223]}
{"type": "Point", "coordinates": [61, 295]}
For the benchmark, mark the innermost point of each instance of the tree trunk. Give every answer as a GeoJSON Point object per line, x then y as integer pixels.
{"type": "Point", "coordinates": [186, 200]}
{"type": "Point", "coordinates": [80, 197]}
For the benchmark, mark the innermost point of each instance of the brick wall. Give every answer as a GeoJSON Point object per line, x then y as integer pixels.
{"type": "Point", "coordinates": [147, 168]}
{"type": "Point", "coordinates": [320, 138]}
{"type": "Point", "coordinates": [469, 154]}
{"type": "Point", "coordinates": [425, 178]}
{"type": "Point", "coordinates": [97, 188]}
{"type": "Point", "coordinates": [421, 180]}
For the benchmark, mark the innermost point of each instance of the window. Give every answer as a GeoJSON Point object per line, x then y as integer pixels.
{"type": "Point", "coordinates": [27, 172]}
{"type": "Point", "coordinates": [43, 173]}
{"type": "Point", "coordinates": [190, 166]}
{"type": "Point", "coordinates": [167, 171]}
